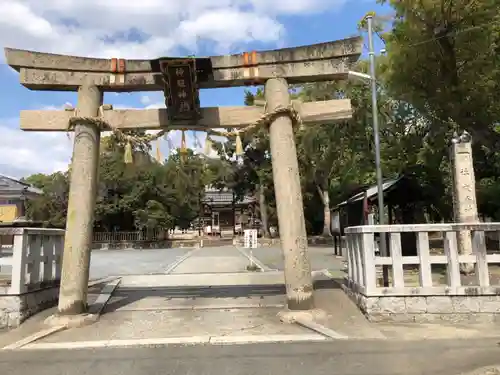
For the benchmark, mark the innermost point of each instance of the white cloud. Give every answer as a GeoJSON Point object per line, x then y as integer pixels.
{"type": "Point", "coordinates": [227, 27]}
{"type": "Point", "coordinates": [144, 29]}
{"type": "Point", "coordinates": [25, 153]}
{"type": "Point", "coordinates": [295, 6]}
{"type": "Point", "coordinates": [145, 99]}
{"type": "Point", "coordinates": [57, 108]}
{"type": "Point", "coordinates": [32, 152]}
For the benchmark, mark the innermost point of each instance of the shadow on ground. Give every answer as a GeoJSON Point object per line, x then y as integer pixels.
{"type": "Point", "coordinates": [124, 296]}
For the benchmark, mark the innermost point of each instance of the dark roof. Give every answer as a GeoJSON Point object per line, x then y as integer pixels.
{"type": "Point", "coordinates": [223, 197]}
{"type": "Point", "coordinates": [27, 224]}
{"type": "Point", "coordinates": [10, 185]}
{"type": "Point", "coordinates": [371, 192]}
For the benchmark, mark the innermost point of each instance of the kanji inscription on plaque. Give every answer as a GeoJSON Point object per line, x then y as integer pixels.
{"type": "Point", "coordinates": [181, 92]}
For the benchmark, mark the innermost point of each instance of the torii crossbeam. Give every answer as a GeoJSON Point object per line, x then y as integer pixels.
{"type": "Point", "coordinates": [180, 79]}
{"type": "Point", "coordinates": [317, 62]}
{"type": "Point", "coordinates": [211, 118]}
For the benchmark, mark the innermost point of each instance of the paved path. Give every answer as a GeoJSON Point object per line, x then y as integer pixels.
{"type": "Point", "coordinates": [207, 296]}
{"type": "Point", "coordinates": [320, 257]}
{"type": "Point", "coordinates": [212, 294]}
{"type": "Point", "coordinates": [213, 260]}
{"type": "Point", "coordinates": [133, 262]}
{"type": "Point", "coordinates": [106, 263]}
{"type": "Point", "coordinates": [327, 358]}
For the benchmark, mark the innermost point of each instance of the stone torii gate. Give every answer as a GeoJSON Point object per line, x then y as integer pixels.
{"type": "Point", "coordinates": [181, 79]}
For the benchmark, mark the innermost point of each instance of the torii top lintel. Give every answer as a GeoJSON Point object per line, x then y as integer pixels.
{"type": "Point", "coordinates": [317, 62]}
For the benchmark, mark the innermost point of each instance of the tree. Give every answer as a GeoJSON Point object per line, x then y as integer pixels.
{"type": "Point", "coordinates": [258, 168]}
{"type": "Point", "coordinates": [51, 207]}
{"type": "Point", "coordinates": [185, 180]}
{"type": "Point", "coordinates": [335, 157]}
{"type": "Point", "coordinates": [443, 60]}
{"type": "Point", "coordinates": [252, 175]}
{"type": "Point", "coordinates": [141, 195]}
{"type": "Point", "coordinates": [153, 216]}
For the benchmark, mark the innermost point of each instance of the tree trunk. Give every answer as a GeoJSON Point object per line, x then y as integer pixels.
{"type": "Point", "coordinates": [327, 216]}
{"type": "Point", "coordinates": [263, 212]}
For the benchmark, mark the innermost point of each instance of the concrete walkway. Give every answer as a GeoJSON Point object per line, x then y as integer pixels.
{"type": "Point", "coordinates": [207, 296]}
{"type": "Point", "coordinates": [451, 357]}
{"type": "Point", "coordinates": [189, 308]}
{"type": "Point", "coordinates": [213, 260]}
{"type": "Point", "coordinates": [321, 258]}
{"type": "Point", "coordinates": [106, 263]}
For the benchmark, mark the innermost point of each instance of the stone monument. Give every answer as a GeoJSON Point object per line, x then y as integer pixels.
{"type": "Point", "coordinates": [464, 192]}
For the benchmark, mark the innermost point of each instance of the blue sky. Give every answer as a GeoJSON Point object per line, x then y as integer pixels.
{"type": "Point", "coordinates": [203, 28]}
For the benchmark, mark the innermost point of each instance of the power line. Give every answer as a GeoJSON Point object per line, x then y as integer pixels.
{"type": "Point", "coordinates": [454, 33]}
{"type": "Point", "coordinates": [472, 28]}
{"type": "Point", "coordinates": [401, 96]}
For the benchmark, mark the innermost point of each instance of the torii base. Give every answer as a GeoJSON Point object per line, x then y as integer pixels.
{"type": "Point", "coordinates": [71, 321]}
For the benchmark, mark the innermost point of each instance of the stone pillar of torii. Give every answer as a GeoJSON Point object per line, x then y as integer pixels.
{"type": "Point", "coordinates": [181, 79]}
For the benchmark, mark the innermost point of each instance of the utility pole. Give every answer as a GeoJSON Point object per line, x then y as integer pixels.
{"type": "Point", "coordinates": [376, 138]}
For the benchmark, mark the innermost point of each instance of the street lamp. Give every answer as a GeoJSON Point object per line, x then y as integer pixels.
{"type": "Point", "coordinates": [356, 76]}
{"type": "Point", "coordinates": [372, 79]}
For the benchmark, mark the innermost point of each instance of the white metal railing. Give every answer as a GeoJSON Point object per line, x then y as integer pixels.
{"type": "Point", "coordinates": [30, 260]}
{"type": "Point", "coordinates": [362, 261]}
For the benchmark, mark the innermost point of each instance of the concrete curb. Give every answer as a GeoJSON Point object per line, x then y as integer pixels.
{"type": "Point", "coordinates": [321, 329]}
{"type": "Point", "coordinates": [248, 339]}
{"type": "Point", "coordinates": [203, 279]}
{"type": "Point", "coordinates": [490, 370]}
{"type": "Point", "coordinates": [328, 274]}
{"type": "Point", "coordinates": [34, 337]}
{"type": "Point", "coordinates": [207, 307]}
{"type": "Point", "coordinates": [254, 260]}
{"type": "Point", "coordinates": [310, 324]}
{"type": "Point", "coordinates": [194, 340]}
{"type": "Point", "coordinates": [102, 280]}
{"type": "Point", "coordinates": [57, 326]}
{"type": "Point", "coordinates": [174, 265]}
{"type": "Point", "coordinates": [100, 303]}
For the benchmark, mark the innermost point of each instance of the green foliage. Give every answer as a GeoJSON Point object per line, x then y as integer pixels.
{"type": "Point", "coordinates": [143, 195]}
{"type": "Point", "coordinates": [252, 174]}
{"type": "Point", "coordinates": [153, 216]}
{"type": "Point", "coordinates": [51, 207]}
{"type": "Point", "coordinates": [443, 60]}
